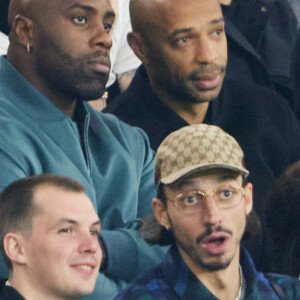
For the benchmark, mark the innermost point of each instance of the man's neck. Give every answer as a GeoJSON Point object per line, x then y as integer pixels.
{"type": "Point", "coordinates": [224, 284]}
{"type": "Point", "coordinates": [192, 113]}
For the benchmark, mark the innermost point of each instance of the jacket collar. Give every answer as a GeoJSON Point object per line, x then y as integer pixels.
{"type": "Point", "coordinates": [186, 284]}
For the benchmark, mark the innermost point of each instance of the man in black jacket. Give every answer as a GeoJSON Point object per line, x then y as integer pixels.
{"type": "Point", "coordinates": [181, 82]}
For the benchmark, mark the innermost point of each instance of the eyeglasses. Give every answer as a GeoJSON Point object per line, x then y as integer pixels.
{"type": "Point", "coordinates": [225, 197]}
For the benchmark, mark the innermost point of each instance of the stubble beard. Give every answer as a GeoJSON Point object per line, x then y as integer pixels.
{"type": "Point", "coordinates": [195, 255]}
{"type": "Point", "coordinates": [219, 264]}
{"type": "Point", "coordinates": [181, 88]}
{"type": "Point", "coordinates": [67, 74]}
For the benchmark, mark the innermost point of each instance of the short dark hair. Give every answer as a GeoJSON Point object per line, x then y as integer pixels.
{"type": "Point", "coordinates": [282, 218]}
{"type": "Point", "coordinates": [154, 233]}
{"type": "Point", "coordinates": [16, 205]}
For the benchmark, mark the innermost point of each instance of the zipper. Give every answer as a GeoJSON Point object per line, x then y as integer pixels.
{"type": "Point", "coordinates": [85, 141]}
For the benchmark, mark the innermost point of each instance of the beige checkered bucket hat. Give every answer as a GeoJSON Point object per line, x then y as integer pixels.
{"type": "Point", "coordinates": [197, 147]}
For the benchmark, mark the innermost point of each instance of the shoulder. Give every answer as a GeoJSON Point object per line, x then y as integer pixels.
{"type": "Point", "coordinates": [150, 285]}
{"type": "Point", "coordinates": [289, 286]}
{"type": "Point", "coordinates": [135, 101]}
{"type": "Point", "coordinates": [252, 94]}
{"type": "Point", "coordinates": [250, 106]}
{"type": "Point", "coordinates": [131, 97]}
{"type": "Point", "coordinates": [111, 130]}
{"type": "Point", "coordinates": [8, 293]}
{"type": "Point", "coordinates": [119, 128]}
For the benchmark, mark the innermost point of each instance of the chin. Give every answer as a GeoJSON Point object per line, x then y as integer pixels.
{"type": "Point", "coordinates": [207, 96]}
{"type": "Point", "coordinates": [217, 264]}
{"type": "Point", "coordinates": [87, 92]}
{"type": "Point", "coordinates": [90, 95]}
{"type": "Point", "coordinates": [84, 290]}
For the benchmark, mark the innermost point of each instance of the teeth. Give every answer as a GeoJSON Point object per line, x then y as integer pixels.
{"type": "Point", "coordinates": [85, 267]}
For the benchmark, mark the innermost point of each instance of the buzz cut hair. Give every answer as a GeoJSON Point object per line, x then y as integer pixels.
{"type": "Point", "coordinates": [17, 206]}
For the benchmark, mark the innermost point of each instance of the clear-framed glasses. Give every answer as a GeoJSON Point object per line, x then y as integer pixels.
{"type": "Point", "coordinates": [225, 197]}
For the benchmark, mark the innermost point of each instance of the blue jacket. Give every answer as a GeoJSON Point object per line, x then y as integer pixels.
{"type": "Point", "coordinates": [116, 169]}
{"type": "Point", "coordinates": [172, 279]}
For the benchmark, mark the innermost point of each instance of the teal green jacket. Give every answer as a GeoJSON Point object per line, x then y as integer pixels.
{"type": "Point", "coordinates": [115, 165]}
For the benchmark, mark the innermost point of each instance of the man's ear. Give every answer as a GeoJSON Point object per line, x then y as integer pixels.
{"type": "Point", "coordinates": [160, 212]}
{"type": "Point", "coordinates": [13, 248]}
{"type": "Point", "coordinates": [135, 41]}
{"type": "Point", "coordinates": [248, 197]}
{"type": "Point", "coordinates": [22, 27]}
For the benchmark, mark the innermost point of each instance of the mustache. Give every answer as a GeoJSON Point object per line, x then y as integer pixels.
{"type": "Point", "coordinates": [207, 69]}
{"type": "Point", "coordinates": [211, 230]}
{"type": "Point", "coordinates": [103, 55]}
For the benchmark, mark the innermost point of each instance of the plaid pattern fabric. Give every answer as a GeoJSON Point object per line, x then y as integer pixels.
{"type": "Point", "coordinates": [173, 280]}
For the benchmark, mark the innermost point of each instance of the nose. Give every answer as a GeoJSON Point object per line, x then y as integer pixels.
{"type": "Point", "coordinates": [211, 215]}
{"type": "Point", "coordinates": [101, 37]}
{"type": "Point", "coordinates": [89, 243]}
{"type": "Point", "coordinates": [206, 51]}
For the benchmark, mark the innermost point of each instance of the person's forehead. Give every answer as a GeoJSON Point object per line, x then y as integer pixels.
{"type": "Point", "coordinates": [100, 6]}
{"type": "Point", "coordinates": [180, 13]}
{"type": "Point", "coordinates": [58, 203]}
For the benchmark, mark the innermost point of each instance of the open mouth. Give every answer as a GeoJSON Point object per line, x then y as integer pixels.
{"type": "Point", "coordinates": [215, 245]}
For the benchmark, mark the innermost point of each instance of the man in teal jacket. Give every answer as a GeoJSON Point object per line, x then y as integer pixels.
{"type": "Point", "coordinates": [58, 55]}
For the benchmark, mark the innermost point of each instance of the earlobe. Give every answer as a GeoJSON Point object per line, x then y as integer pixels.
{"type": "Point", "coordinates": [135, 41]}
{"type": "Point", "coordinates": [248, 197]}
{"type": "Point", "coordinates": [13, 248]}
{"type": "Point", "coordinates": [160, 212]}
{"type": "Point", "coordinates": [22, 29]}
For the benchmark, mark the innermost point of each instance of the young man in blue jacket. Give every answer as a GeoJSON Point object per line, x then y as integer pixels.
{"type": "Point", "coordinates": [203, 209]}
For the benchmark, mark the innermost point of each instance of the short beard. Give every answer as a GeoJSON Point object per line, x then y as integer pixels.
{"type": "Point", "coordinates": [217, 266]}
{"type": "Point", "coordinates": [211, 267]}
{"type": "Point", "coordinates": [181, 91]}
{"type": "Point", "coordinates": [67, 74]}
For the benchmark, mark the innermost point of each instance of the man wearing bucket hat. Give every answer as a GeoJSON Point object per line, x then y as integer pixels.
{"type": "Point", "coordinates": [202, 209]}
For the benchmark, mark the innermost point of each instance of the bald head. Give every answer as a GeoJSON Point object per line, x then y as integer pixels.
{"type": "Point", "coordinates": [141, 12]}
{"type": "Point", "coordinates": [144, 12]}
{"type": "Point", "coordinates": [27, 8]}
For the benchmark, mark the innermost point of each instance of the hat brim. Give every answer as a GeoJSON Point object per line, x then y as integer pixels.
{"type": "Point", "coordinates": [187, 171]}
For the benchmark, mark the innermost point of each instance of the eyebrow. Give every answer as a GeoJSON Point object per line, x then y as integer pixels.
{"type": "Point", "coordinates": [84, 7]}
{"type": "Point", "coordinates": [97, 223]}
{"type": "Point", "coordinates": [108, 14]}
{"type": "Point", "coordinates": [187, 30]}
{"type": "Point", "coordinates": [73, 222]}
